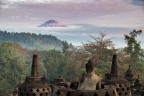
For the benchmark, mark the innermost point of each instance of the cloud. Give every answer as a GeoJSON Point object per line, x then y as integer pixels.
{"type": "Point", "coordinates": [68, 10]}
{"type": "Point", "coordinates": [138, 2]}
{"type": "Point", "coordinates": [98, 12]}
{"type": "Point", "coordinates": [45, 1]}
{"type": "Point", "coordinates": [97, 2]}
{"type": "Point", "coordinates": [107, 3]}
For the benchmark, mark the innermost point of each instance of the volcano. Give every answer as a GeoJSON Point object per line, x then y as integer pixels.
{"type": "Point", "coordinates": [52, 23]}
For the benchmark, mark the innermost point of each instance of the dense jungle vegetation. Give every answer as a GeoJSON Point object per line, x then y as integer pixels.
{"type": "Point", "coordinates": [31, 40]}
{"type": "Point", "coordinates": [69, 61]}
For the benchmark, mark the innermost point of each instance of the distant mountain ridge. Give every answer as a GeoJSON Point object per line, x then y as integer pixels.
{"type": "Point", "coordinates": [52, 23]}
{"type": "Point", "coordinates": [32, 41]}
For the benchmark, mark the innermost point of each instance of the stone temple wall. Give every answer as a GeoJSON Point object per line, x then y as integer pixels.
{"type": "Point", "coordinates": [102, 92]}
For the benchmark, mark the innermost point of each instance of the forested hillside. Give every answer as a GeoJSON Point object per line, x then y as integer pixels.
{"type": "Point", "coordinates": [32, 40]}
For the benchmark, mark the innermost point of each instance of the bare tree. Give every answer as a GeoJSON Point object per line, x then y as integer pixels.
{"type": "Point", "coordinates": [101, 49]}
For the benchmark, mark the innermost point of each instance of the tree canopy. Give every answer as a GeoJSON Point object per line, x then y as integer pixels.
{"type": "Point", "coordinates": [12, 67]}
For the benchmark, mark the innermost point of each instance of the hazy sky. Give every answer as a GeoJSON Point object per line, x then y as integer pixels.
{"type": "Point", "coordinates": [123, 13]}
{"type": "Point", "coordinates": [103, 13]}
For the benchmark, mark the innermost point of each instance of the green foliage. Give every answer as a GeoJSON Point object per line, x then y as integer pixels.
{"type": "Point", "coordinates": [11, 67]}
{"type": "Point", "coordinates": [31, 40]}
{"type": "Point", "coordinates": [54, 64]}
{"type": "Point", "coordinates": [65, 46]}
{"type": "Point", "coordinates": [133, 46]}
{"type": "Point", "coordinates": [134, 52]}
{"type": "Point", "coordinates": [57, 63]}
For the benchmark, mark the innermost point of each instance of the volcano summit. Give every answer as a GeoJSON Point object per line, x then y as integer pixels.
{"type": "Point", "coordinates": [52, 23]}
